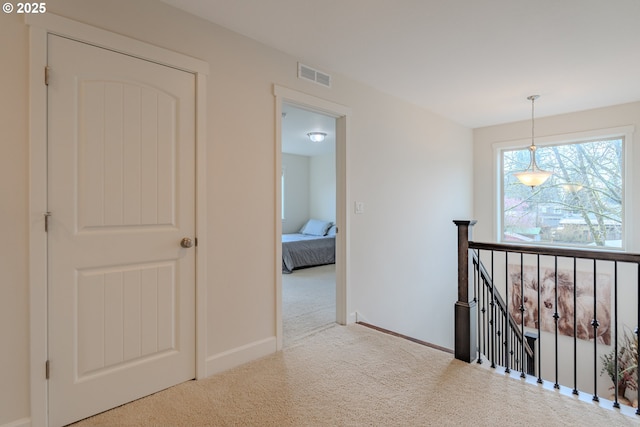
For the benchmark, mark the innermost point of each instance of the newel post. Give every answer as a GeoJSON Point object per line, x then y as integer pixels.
{"type": "Point", "coordinates": [466, 316]}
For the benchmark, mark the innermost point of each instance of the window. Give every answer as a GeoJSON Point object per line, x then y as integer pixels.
{"type": "Point", "coordinates": [582, 204]}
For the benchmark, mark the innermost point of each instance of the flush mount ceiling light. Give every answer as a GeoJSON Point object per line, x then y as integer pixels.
{"type": "Point", "coordinates": [533, 176]}
{"type": "Point", "coordinates": [317, 136]}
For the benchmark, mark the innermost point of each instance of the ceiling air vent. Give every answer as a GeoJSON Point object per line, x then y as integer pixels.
{"type": "Point", "coordinates": [308, 73]}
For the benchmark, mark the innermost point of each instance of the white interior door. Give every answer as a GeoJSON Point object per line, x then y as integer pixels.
{"type": "Point", "coordinates": [121, 192]}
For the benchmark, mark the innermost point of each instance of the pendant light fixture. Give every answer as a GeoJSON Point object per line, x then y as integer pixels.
{"type": "Point", "coordinates": [533, 176]}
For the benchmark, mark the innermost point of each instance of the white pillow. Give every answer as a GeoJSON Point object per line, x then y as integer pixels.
{"type": "Point", "coordinates": [332, 231]}
{"type": "Point", "coordinates": [315, 227]}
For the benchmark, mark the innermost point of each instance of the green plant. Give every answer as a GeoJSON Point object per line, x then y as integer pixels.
{"type": "Point", "coordinates": [627, 369]}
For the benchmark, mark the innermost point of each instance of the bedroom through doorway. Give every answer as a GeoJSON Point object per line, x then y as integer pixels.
{"type": "Point", "coordinates": [308, 210]}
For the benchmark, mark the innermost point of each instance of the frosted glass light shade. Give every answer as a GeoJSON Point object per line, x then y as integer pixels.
{"type": "Point", "coordinates": [533, 178]}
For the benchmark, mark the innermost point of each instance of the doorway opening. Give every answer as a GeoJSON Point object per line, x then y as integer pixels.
{"type": "Point", "coordinates": [308, 215]}
{"type": "Point", "coordinates": [338, 117]}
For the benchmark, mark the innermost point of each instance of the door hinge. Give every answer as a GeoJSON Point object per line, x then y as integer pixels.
{"type": "Point", "coordinates": [46, 221]}
{"type": "Point", "coordinates": [46, 370]}
{"type": "Point", "coordinates": [47, 69]}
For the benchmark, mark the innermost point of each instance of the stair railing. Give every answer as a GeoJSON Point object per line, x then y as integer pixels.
{"type": "Point", "coordinates": [500, 337]}
{"type": "Point", "coordinates": [486, 328]}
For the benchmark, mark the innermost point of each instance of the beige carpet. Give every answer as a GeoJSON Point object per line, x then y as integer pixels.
{"type": "Point", "coordinates": [356, 376]}
{"type": "Point", "coordinates": [308, 302]}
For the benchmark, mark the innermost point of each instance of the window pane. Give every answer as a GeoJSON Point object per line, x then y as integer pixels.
{"type": "Point", "coordinates": [581, 204]}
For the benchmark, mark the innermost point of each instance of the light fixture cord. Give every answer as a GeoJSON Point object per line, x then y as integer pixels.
{"type": "Point", "coordinates": [533, 100]}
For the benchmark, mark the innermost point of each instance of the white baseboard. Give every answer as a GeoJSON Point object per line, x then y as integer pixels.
{"type": "Point", "coordinates": [23, 422]}
{"type": "Point", "coordinates": [238, 356]}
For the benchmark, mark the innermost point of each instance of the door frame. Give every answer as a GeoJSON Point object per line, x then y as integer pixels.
{"type": "Point", "coordinates": [342, 114]}
{"type": "Point", "coordinates": [40, 26]}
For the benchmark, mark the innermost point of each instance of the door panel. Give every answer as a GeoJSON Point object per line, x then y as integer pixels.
{"type": "Point", "coordinates": [121, 188]}
{"type": "Point", "coordinates": [131, 328]}
{"type": "Point", "coordinates": [127, 156]}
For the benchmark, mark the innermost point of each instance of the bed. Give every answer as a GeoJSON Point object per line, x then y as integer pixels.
{"type": "Point", "coordinates": [314, 245]}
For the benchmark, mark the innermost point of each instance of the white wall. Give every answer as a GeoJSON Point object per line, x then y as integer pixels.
{"type": "Point", "coordinates": [322, 187]}
{"type": "Point", "coordinates": [14, 231]}
{"type": "Point", "coordinates": [296, 196]}
{"type": "Point", "coordinates": [411, 168]}
{"type": "Point", "coordinates": [310, 189]}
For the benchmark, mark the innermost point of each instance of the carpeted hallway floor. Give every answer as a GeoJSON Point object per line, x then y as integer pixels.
{"type": "Point", "coordinates": [356, 376]}
{"type": "Point", "coordinates": [330, 375]}
{"type": "Point", "coordinates": [308, 302]}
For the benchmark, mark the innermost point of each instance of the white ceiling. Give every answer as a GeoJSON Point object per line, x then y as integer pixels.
{"type": "Point", "coordinates": [297, 123]}
{"type": "Point", "coordinates": [473, 61]}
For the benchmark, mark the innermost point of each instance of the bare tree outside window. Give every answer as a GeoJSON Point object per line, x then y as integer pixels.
{"type": "Point", "coordinates": [581, 204]}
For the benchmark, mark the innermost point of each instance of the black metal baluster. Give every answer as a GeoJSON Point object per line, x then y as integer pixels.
{"type": "Point", "coordinates": [595, 325]}
{"type": "Point", "coordinates": [500, 336]}
{"type": "Point", "coordinates": [616, 403]}
{"type": "Point", "coordinates": [516, 343]}
{"type": "Point", "coordinates": [477, 277]}
{"type": "Point", "coordinates": [505, 338]}
{"type": "Point", "coordinates": [493, 316]}
{"type": "Point", "coordinates": [522, 374]}
{"type": "Point", "coordinates": [539, 334]}
{"type": "Point", "coordinates": [483, 310]}
{"type": "Point", "coordinates": [485, 316]}
{"type": "Point", "coordinates": [514, 350]}
{"type": "Point", "coordinates": [556, 316]}
{"type": "Point", "coordinates": [485, 321]}
{"type": "Point", "coordinates": [519, 360]}
{"type": "Point", "coordinates": [531, 362]}
{"type": "Point", "coordinates": [638, 330]}
{"type": "Point", "coordinates": [498, 327]}
{"type": "Point", "coordinates": [506, 316]}
{"type": "Point", "coordinates": [499, 345]}
{"type": "Point", "coordinates": [575, 328]}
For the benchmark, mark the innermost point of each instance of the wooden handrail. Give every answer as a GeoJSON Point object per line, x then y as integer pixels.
{"type": "Point", "coordinates": [604, 255]}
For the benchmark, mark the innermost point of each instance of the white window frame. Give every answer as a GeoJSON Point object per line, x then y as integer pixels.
{"type": "Point", "coordinates": [625, 132]}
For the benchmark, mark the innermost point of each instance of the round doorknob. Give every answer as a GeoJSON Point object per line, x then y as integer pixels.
{"type": "Point", "coordinates": [186, 242]}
